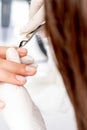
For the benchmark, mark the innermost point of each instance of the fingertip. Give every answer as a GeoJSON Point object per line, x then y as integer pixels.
{"type": "Point", "coordinates": [33, 72]}
{"type": "Point", "coordinates": [21, 80]}
{"type": "Point", "coordinates": [22, 51]}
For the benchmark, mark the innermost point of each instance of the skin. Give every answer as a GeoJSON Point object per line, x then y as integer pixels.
{"type": "Point", "coordinates": [11, 72]}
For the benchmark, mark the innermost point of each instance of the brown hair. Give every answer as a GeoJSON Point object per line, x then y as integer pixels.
{"type": "Point", "coordinates": [67, 27]}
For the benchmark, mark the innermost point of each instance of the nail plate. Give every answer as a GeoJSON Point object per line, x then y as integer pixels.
{"type": "Point", "coordinates": [20, 78]}
{"type": "Point", "coordinates": [29, 68]}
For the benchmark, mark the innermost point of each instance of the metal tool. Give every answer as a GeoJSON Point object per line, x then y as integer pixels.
{"type": "Point", "coordinates": [30, 35]}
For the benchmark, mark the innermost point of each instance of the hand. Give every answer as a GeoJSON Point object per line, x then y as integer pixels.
{"type": "Point", "coordinates": [11, 72]}
{"type": "Point", "coordinates": [37, 16]}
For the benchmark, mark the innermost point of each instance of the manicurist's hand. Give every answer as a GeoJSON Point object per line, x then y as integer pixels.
{"type": "Point", "coordinates": [36, 16]}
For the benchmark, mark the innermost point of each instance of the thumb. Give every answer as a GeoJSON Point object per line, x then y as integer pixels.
{"type": "Point", "coordinates": [12, 55]}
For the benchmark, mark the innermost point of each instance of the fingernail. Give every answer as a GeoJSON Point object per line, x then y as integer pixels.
{"type": "Point", "coordinates": [21, 78]}
{"type": "Point", "coordinates": [22, 50]}
{"type": "Point", "coordinates": [29, 68]}
{"type": "Point", "coordinates": [30, 58]}
{"type": "Point", "coordinates": [2, 104]}
{"type": "Point", "coordinates": [27, 60]}
{"type": "Point", "coordinates": [34, 65]}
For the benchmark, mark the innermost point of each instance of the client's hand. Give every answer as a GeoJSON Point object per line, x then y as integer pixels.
{"type": "Point", "coordinates": [12, 72]}
{"type": "Point", "coordinates": [37, 16]}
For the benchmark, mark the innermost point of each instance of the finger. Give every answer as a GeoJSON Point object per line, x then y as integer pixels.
{"type": "Point", "coordinates": [27, 60]}
{"type": "Point", "coordinates": [22, 51]}
{"type": "Point", "coordinates": [3, 51]}
{"type": "Point", "coordinates": [35, 6]}
{"type": "Point", "coordinates": [12, 78]}
{"type": "Point", "coordinates": [38, 18]}
{"type": "Point", "coordinates": [17, 68]}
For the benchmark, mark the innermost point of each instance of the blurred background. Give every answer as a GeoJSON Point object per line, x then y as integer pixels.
{"type": "Point", "coordinates": [46, 87]}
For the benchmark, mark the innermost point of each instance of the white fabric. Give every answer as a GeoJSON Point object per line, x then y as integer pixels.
{"type": "Point", "coordinates": [20, 112]}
